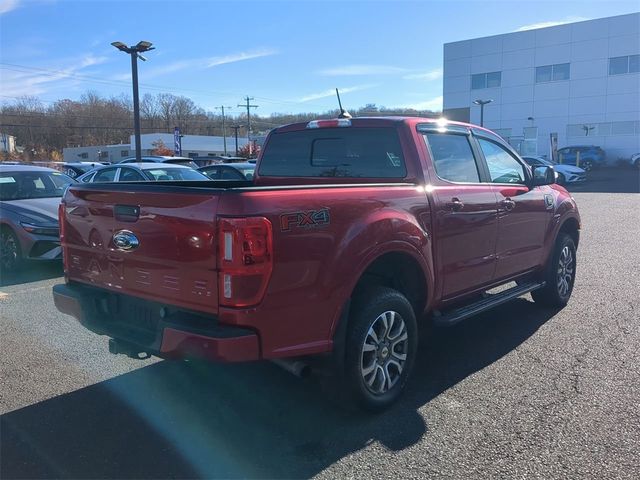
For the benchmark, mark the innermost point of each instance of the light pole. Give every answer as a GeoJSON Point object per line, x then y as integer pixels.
{"type": "Point", "coordinates": [482, 103]}
{"type": "Point", "coordinates": [224, 130]}
{"type": "Point", "coordinates": [135, 52]}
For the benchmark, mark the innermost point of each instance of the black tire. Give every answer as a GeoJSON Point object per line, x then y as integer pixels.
{"type": "Point", "coordinates": [556, 293]}
{"type": "Point", "coordinates": [587, 165]}
{"type": "Point", "coordinates": [371, 311]}
{"type": "Point", "coordinates": [10, 251]}
{"type": "Point", "coordinates": [561, 179]}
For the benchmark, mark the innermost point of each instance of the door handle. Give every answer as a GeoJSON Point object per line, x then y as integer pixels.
{"type": "Point", "coordinates": [455, 205]}
{"type": "Point", "coordinates": [508, 204]}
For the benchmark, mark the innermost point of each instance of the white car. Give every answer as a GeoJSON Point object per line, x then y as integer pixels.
{"type": "Point", "coordinates": [566, 173]}
{"type": "Point", "coordinates": [141, 172]}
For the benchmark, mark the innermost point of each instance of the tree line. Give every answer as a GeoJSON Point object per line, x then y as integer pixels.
{"type": "Point", "coordinates": [44, 130]}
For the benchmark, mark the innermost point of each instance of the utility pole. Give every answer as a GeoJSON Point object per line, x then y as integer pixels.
{"type": "Point", "coordinates": [224, 130]}
{"type": "Point", "coordinates": [235, 129]}
{"type": "Point", "coordinates": [248, 107]}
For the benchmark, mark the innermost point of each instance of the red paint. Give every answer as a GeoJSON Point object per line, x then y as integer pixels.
{"type": "Point", "coordinates": [319, 242]}
{"type": "Point", "coordinates": [180, 344]}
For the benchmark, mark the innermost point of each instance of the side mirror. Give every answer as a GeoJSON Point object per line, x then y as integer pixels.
{"type": "Point", "coordinates": [543, 176]}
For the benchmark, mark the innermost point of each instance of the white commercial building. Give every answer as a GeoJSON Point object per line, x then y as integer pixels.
{"type": "Point", "coordinates": [192, 146]}
{"type": "Point", "coordinates": [580, 81]}
{"type": "Point", "coordinates": [7, 143]}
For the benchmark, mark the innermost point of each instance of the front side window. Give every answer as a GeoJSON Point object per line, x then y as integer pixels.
{"type": "Point", "coordinates": [23, 185]}
{"type": "Point", "coordinates": [503, 167]}
{"type": "Point", "coordinates": [345, 152]}
{"type": "Point", "coordinates": [452, 157]}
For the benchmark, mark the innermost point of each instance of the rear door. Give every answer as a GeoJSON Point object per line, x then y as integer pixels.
{"type": "Point", "coordinates": [465, 212]}
{"type": "Point", "coordinates": [524, 212]}
{"type": "Point", "coordinates": [155, 243]}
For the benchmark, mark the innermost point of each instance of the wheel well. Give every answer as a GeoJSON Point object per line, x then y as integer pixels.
{"type": "Point", "coordinates": [399, 271]}
{"type": "Point", "coordinates": [571, 227]}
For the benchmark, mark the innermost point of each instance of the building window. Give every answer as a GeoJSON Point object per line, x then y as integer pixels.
{"type": "Point", "coordinates": [486, 80]}
{"type": "Point", "coordinates": [104, 154]}
{"type": "Point", "coordinates": [552, 73]}
{"type": "Point", "coordinates": [83, 155]}
{"type": "Point", "coordinates": [626, 64]}
{"type": "Point", "coordinates": [124, 153]}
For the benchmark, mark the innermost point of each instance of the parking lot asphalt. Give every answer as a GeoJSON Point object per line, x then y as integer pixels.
{"type": "Point", "coordinates": [517, 392]}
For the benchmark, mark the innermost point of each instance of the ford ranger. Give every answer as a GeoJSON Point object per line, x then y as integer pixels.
{"type": "Point", "coordinates": [351, 233]}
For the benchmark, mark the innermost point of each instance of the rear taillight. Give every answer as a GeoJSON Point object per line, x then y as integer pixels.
{"type": "Point", "coordinates": [245, 260]}
{"type": "Point", "coordinates": [62, 227]}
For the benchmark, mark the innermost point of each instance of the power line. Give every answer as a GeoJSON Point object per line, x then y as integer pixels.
{"type": "Point", "coordinates": [61, 74]}
{"type": "Point", "coordinates": [249, 107]}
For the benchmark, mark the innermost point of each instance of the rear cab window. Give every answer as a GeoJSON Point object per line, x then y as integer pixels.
{"type": "Point", "coordinates": [347, 152]}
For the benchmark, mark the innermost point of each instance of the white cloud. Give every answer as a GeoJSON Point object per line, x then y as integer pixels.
{"type": "Point", "coordinates": [435, 74]}
{"type": "Point", "coordinates": [8, 5]}
{"type": "Point", "coordinates": [90, 60]}
{"type": "Point", "coordinates": [435, 104]}
{"type": "Point", "coordinates": [551, 23]}
{"type": "Point", "coordinates": [21, 81]}
{"type": "Point", "coordinates": [239, 57]}
{"type": "Point", "coordinates": [362, 70]}
{"type": "Point", "coordinates": [332, 91]}
{"type": "Point", "coordinates": [199, 63]}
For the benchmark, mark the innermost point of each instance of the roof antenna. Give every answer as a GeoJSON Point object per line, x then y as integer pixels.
{"type": "Point", "coordinates": [343, 112]}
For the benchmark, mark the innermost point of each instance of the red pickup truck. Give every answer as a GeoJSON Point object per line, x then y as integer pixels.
{"type": "Point", "coordinates": [352, 232]}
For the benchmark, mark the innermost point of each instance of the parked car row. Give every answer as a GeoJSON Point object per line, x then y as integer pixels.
{"type": "Point", "coordinates": [30, 196]}
{"type": "Point", "coordinates": [565, 174]}
{"type": "Point", "coordinates": [29, 200]}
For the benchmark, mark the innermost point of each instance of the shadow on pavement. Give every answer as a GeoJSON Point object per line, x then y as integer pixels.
{"type": "Point", "coordinates": [610, 180]}
{"type": "Point", "coordinates": [32, 272]}
{"type": "Point", "coordinates": [190, 420]}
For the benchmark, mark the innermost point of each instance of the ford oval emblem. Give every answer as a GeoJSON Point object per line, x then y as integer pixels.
{"type": "Point", "coordinates": [125, 240]}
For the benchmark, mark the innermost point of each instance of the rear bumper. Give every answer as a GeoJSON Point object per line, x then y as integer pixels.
{"type": "Point", "coordinates": [155, 328]}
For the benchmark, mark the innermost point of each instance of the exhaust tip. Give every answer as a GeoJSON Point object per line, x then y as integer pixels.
{"type": "Point", "coordinates": [295, 367]}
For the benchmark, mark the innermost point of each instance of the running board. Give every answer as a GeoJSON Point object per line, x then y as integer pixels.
{"type": "Point", "coordinates": [454, 316]}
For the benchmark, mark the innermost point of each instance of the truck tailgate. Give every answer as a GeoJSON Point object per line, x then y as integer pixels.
{"type": "Point", "coordinates": [174, 261]}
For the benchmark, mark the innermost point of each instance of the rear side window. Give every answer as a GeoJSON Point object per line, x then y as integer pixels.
{"type": "Point", "coordinates": [130, 175]}
{"type": "Point", "coordinates": [106, 175]}
{"type": "Point", "coordinates": [452, 157]}
{"type": "Point", "coordinates": [334, 152]}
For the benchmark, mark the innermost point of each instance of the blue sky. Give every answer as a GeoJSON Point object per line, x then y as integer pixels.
{"type": "Point", "coordinates": [288, 55]}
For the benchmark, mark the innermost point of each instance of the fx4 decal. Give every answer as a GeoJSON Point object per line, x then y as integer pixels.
{"type": "Point", "coordinates": [304, 219]}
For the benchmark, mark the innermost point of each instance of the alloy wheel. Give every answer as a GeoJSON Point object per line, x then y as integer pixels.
{"type": "Point", "coordinates": [9, 250]}
{"type": "Point", "coordinates": [566, 269]}
{"type": "Point", "coordinates": [384, 352]}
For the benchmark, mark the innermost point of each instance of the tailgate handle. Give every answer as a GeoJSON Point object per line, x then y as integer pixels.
{"type": "Point", "coordinates": [126, 213]}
